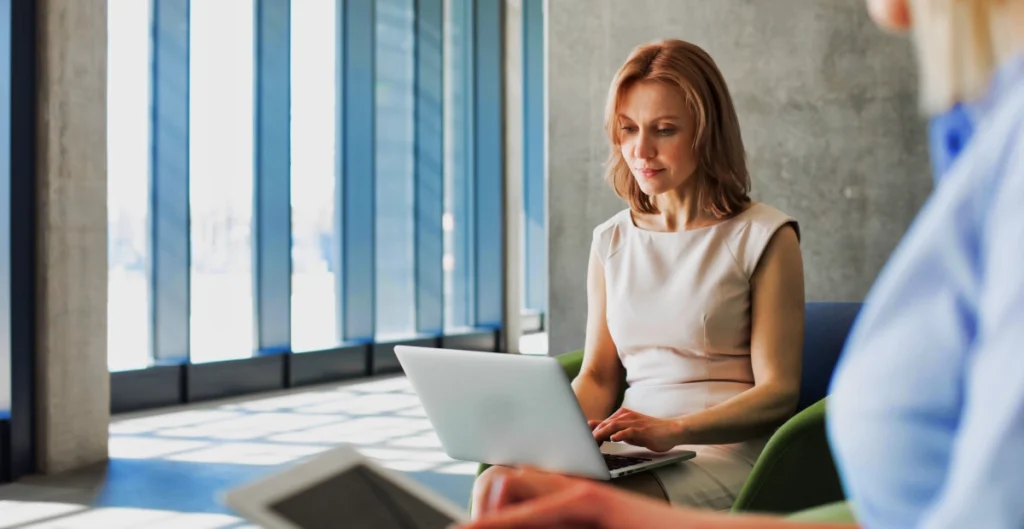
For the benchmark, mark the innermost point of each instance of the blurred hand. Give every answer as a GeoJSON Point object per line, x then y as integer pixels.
{"type": "Point", "coordinates": [531, 499]}
{"type": "Point", "coordinates": [637, 429]}
{"type": "Point", "coordinates": [523, 498]}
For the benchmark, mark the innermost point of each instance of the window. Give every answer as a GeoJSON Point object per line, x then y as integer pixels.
{"type": "Point", "coordinates": [221, 179]}
{"type": "Point", "coordinates": [313, 157]}
{"type": "Point", "coordinates": [394, 211]}
{"type": "Point", "coordinates": [325, 198]}
{"type": "Point", "coordinates": [128, 140]}
{"type": "Point", "coordinates": [457, 163]}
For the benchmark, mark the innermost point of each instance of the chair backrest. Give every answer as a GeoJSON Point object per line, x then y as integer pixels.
{"type": "Point", "coordinates": [826, 326]}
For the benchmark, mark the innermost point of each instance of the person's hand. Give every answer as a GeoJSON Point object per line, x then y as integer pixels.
{"type": "Point", "coordinates": [658, 435]}
{"type": "Point", "coordinates": [524, 498]}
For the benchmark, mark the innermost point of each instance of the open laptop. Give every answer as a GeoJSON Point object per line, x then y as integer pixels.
{"type": "Point", "coordinates": [514, 410]}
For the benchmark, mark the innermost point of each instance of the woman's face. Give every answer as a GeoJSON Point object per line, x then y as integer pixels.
{"type": "Point", "coordinates": [656, 136]}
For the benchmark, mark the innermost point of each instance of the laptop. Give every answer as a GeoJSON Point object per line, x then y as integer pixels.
{"type": "Point", "coordinates": [516, 410]}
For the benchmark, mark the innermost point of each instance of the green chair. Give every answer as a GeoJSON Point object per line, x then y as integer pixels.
{"type": "Point", "coordinates": [795, 471]}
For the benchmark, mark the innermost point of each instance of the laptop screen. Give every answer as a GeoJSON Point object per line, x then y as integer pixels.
{"type": "Point", "coordinates": [358, 498]}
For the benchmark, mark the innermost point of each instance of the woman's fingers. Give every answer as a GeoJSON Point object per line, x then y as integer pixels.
{"type": "Point", "coordinates": [607, 429]}
{"type": "Point", "coordinates": [627, 435]}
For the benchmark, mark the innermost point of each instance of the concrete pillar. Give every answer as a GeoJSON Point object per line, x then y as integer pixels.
{"type": "Point", "coordinates": [73, 382]}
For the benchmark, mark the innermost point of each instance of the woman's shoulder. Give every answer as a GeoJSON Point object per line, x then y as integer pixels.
{"type": "Point", "coordinates": [607, 236]}
{"type": "Point", "coordinates": [762, 220]}
{"type": "Point", "coordinates": [753, 229]}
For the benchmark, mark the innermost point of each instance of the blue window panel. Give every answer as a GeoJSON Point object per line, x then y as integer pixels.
{"type": "Point", "coordinates": [395, 165]}
{"type": "Point", "coordinates": [458, 161]}
{"type": "Point", "coordinates": [5, 208]}
{"type": "Point", "coordinates": [488, 166]}
{"type": "Point", "coordinates": [169, 185]}
{"type": "Point", "coordinates": [314, 144]}
{"type": "Point", "coordinates": [355, 211]}
{"type": "Point", "coordinates": [272, 185]}
{"type": "Point", "coordinates": [19, 180]}
{"type": "Point", "coordinates": [429, 175]}
{"type": "Point", "coordinates": [534, 165]}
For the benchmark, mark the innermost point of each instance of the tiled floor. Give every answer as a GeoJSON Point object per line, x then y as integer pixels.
{"type": "Point", "coordinates": [168, 468]}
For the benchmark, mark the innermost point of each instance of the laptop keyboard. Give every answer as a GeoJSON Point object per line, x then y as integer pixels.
{"type": "Point", "coordinates": [616, 462]}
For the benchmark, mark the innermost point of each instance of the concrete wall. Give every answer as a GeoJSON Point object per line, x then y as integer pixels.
{"type": "Point", "coordinates": [828, 109]}
{"type": "Point", "coordinates": [73, 382]}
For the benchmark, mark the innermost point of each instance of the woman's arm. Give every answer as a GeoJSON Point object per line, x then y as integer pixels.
{"type": "Point", "coordinates": [776, 342]}
{"type": "Point", "coordinates": [599, 380]}
{"type": "Point", "coordinates": [776, 345]}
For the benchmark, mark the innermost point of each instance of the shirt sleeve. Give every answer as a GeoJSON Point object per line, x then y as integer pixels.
{"type": "Point", "coordinates": [986, 472]}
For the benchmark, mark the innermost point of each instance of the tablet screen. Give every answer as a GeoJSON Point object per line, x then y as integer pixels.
{"type": "Point", "coordinates": [358, 498]}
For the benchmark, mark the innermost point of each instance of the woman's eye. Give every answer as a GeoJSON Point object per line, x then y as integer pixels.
{"type": "Point", "coordinates": [629, 128]}
{"type": "Point", "coordinates": [666, 132]}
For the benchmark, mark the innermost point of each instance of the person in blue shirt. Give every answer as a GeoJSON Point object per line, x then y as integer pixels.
{"type": "Point", "coordinates": [926, 414]}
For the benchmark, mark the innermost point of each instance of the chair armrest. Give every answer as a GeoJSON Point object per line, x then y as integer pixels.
{"type": "Point", "coordinates": [571, 362]}
{"type": "Point", "coordinates": [795, 471]}
{"type": "Point", "coordinates": [838, 512]}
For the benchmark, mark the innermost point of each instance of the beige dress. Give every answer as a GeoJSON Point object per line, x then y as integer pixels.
{"type": "Point", "coordinates": [678, 309]}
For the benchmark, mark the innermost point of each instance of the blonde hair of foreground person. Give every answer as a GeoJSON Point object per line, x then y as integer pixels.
{"type": "Point", "coordinates": [959, 44]}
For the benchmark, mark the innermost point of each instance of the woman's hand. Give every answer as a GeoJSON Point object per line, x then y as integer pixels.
{"type": "Point", "coordinates": [637, 429]}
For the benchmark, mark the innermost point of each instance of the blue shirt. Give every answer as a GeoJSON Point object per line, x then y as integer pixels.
{"type": "Point", "coordinates": [926, 416]}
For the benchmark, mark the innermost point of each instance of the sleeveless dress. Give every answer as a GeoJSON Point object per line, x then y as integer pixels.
{"type": "Point", "coordinates": [678, 310]}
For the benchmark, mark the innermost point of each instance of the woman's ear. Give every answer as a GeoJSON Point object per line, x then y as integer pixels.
{"type": "Point", "coordinates": [891, 15]}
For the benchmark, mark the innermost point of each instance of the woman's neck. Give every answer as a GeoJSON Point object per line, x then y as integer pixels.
{"type": "Point", "coordinates": [680, 209]}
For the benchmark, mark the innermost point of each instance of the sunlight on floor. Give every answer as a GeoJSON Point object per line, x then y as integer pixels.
{"type": "Point", "coordinates": [382, 418]}
{"type": "Point", "coordinates": [43, 515]}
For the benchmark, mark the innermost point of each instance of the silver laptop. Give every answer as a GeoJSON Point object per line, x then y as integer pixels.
{"type": "Point", "coordinates": [507, 409]}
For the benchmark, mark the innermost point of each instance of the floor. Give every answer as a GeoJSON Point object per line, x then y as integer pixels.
{"type": "Point", "coordinates": [167, 469]}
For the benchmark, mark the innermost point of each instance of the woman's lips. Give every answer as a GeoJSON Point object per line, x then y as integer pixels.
{"type": "Point", "coordinates": [647, 173]}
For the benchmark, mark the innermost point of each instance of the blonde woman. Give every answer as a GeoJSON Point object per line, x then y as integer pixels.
{"type": "Point", "coordinates": [926, 417]}
{"type": "Point", "coordinates": [695, 293]}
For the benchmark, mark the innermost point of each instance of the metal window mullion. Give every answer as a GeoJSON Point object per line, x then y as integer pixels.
{"type": "Point", "coordinates": [272, 176]}
{"type": "Point", "coordinates": [488, 164]}
{"type": "Point", "coordinates": [169, 255]}
{"type": "Point", "coordinates": [429, 165]}
{"type": "Point", "coordinates": [356, 167]}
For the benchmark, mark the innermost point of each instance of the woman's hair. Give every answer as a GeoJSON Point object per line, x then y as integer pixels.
{"type": "Point", "coordinates": [956, 51]}
{"type": "Point", "coordinates": [724, 183]}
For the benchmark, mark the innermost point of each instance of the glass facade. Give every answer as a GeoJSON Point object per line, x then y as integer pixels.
{"type": "Point", "coordinates": [393, 202]}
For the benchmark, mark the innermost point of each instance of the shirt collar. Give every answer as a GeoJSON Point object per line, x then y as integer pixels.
{"type": "Point", "coordinates": [950, 131]}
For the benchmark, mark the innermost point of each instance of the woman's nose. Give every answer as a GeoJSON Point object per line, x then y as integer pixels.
{"type": "Point", "coordinates": [644, 147]}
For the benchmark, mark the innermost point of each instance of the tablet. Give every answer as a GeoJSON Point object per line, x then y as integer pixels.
{"type": "Point", "coordinates": [342, 488]}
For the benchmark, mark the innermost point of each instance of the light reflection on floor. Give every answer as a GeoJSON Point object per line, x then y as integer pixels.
{"type": "Point", "coordinates": [382, 418]}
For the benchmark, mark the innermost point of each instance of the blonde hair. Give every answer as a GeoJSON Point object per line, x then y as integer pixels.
{"type": "Point", "coordinates": [956, 51]}
{"type": "Point", "coordinates": [721, 160]}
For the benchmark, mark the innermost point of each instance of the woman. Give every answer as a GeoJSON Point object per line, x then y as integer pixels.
{"type": "Point", "coordinates": [695, 293]}
{"type": "Point", "coordinates": [926, 416]}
